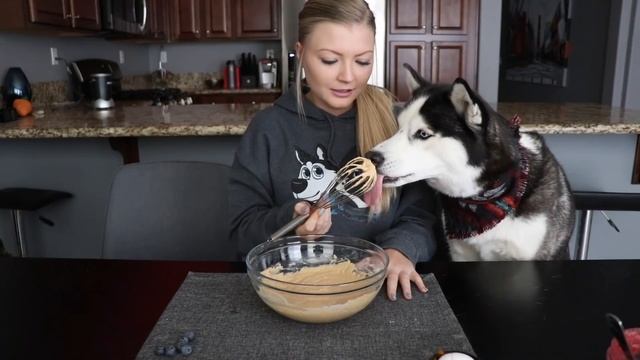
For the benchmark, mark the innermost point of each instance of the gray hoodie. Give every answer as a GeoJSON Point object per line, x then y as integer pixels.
{"type": "Point", "coordinates": [283, 159]}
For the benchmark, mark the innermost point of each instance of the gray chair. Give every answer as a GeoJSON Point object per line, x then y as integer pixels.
{"type": "Point", "coordinates": [170, 210]}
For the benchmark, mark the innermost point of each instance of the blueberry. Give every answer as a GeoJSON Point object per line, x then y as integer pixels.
{"type": "Point", "coordinates": [190, 335]}
{"type": "Point", "coordinates": [182, 341]}
{"type": "Point", "coordinates": [186, 350]}
{"type": "Point", "coordinates": [160, 350]}
{"type": "Point", "coordinates": [171, 351]}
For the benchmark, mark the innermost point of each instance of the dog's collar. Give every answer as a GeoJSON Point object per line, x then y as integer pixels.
{"type": "Point", "coordinates": [468, 217]}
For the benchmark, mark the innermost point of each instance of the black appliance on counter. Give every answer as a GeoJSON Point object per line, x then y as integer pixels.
{"type": "Point", "coordinates": [125, 16]}
{"type": "Point", "coordinates": [96, 81]}
{"type": "Point", "coordinates": [15, 86]}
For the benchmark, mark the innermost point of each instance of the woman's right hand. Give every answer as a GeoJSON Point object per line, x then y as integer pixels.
{"type": "Point", "coordinates": [318, 223]}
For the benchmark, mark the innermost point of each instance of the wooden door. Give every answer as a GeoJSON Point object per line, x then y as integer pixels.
{"type": "Point", "coordinates": [408, 17]}
{"type": "Point", "coordinates": [449, 17]}
{"type": "Point", "coordinates": [186, 19]}
{"type": "Point", "coordinates": [51, 12]}
{"type": "Point", "coordinates": [258, 19]}
{"type": "Point", "coordinates": [217, 18]}
{"type": "Point", "coordinates": [158, 19]}
{"type": "Point", "coordinates": [85, 14]}
{"type": "Point", "coordinates": [413, 53]}
{"type": "Point", "coordinates": [448, 61]}
{"type": "Point", "coordinates": [439, 36]}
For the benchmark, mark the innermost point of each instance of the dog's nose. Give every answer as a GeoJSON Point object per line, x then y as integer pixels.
{"type": "Point", "coordinates": [299, 185]}
{"type": "Point", "coordinates": [376, 158]}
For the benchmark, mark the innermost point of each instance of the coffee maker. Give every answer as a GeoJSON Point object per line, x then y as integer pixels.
{"type": "Point", "coordinates": [269, 71]}
{"type": "Point", "coordinates": [96, 81]}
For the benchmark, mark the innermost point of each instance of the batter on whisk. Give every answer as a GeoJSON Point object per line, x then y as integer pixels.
{"type": "Point", "coordinates": [292, 152]}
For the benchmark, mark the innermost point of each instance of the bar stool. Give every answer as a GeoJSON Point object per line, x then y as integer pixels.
{"type": "Point", "coordinates": [587, 201]}
{"type": "Point", "coordinates": [27, 199]}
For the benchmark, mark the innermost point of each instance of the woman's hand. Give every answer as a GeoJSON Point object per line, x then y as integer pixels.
{"type": "Point", "coordinates": [403, 271]}
{"type": "Point", "coordinates": [318, 223]}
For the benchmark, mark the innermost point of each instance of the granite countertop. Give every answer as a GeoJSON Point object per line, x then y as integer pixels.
{"type": "Point", "coordinates": [232, 119]}
{"type": "Point", "coordinates": [573, 118]}
{"type": "Point", "coordinates": [133, 121]}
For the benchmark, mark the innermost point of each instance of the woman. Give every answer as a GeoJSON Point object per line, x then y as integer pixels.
{"type": "Point", "coordinates": [291, 151]}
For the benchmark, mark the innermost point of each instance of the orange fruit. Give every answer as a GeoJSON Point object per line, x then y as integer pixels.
{"type": "Point", "coordinates": [23, 107]}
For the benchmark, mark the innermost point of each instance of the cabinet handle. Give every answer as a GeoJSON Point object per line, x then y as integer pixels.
{"type": "Point", "coordinates": [68, 16]}
{"type": "Point", "coordinates": [275, 30]}
{"type": "Point", "coordinates": [208, 32]}
{"type": "Point", "coordinates": [77, 17]}
{"type": "Point", "coordinates": [435, 47]}
{"type": "Point", "coordinates": [197, 31]}
{"type": "Point", "coordinates": [435, 27]}
{"type": "Point", "coordinates": [423, 26]}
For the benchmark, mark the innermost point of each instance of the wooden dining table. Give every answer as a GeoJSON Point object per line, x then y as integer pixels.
{"type": "Point", "coordinates": [105, 309]}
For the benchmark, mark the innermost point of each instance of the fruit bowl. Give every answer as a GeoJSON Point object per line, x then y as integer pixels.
{"type": "Point", "coordinates": [319, 278]}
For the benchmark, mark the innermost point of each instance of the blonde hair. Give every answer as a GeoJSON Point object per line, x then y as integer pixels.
{"type": "Point", "coordinates": [375, 121]}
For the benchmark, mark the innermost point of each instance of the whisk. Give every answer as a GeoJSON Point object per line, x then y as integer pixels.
{"type": "Point", "coordinates": [355, 178]}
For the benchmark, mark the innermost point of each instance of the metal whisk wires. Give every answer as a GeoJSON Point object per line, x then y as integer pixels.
{"type": "Point", "coordinates": [353, 179]}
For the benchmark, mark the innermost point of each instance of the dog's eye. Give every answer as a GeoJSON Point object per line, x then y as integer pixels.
{"type": "Point", "coordinates": [317, 172]}
{"type": "Point", "coordinates": [421, 134]}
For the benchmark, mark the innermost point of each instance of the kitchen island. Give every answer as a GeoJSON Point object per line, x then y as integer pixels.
{"type": "Point", "coordinates": [72, 149]}
{"type": "Point", "coordinates": [232, 119]}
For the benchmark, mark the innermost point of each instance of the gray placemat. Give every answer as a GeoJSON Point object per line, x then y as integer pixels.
{"type": "Point", "coordinates": [231, 322]}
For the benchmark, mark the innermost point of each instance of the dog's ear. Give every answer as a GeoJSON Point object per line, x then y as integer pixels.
{"type": "Point", "coordinates": [414, 80]}
{"type": "Point", "coordinates": [321, 152]}
{"type": "Point", "coordinates": [462, 98]}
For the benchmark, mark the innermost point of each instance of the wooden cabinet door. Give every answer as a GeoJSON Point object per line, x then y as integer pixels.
{"type": "Point", "coordinates": [408, 17]}
{"type": "Point", "coordinates": [85, 14]}
{"type": "Point", "coordinates": [258, 19]}
{"type": "Point", "coordinates": [217, 18]}
{"type": "Point", "coordinates": [413, 53]}
{"type": "Point", "coordinates": [437, 37]}
{"type": "Point", "coordinates": [52, 12]}
{"type": "Point", "coordinates": [449, 17]}
{"type": "Point", "coordinates": [158, 19]}
{"type": "Point", "coordinates": [448, 62]}
{"type": "Point", "coordinates": [186, 19]}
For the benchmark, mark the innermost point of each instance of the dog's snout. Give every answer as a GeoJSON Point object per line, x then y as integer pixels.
{"type": "Point", "coordinates": [299, 185]}
{"type": "Point", "coordinates": [376, 157]}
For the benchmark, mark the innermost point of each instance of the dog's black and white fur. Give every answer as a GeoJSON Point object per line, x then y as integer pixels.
{"type": "Point", "coordinates": [466, 151]}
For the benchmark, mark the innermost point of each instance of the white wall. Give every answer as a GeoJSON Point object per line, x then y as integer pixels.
{"type": "Point", "coordinates": [489, 49]}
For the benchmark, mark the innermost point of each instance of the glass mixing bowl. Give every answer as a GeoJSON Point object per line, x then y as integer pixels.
{"type": "Point", "coordinates": [319, 278]}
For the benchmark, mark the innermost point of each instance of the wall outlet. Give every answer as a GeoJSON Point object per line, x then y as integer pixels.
{"type": "Point", "coordinates": [121, 56]}
{"type": "Point", "coordinates": [54, 56]}
{"type": "Point", "coordinates": [163, 56]}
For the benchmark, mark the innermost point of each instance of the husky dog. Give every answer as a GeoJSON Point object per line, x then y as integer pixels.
{"type": "Point", "coordinates": [504, 196]}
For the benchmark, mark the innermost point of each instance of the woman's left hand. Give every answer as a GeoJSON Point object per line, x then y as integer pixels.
{"type": "Point", "coordinates": [401, 270]}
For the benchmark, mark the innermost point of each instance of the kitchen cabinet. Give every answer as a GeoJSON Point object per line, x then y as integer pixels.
{"type": "Point", "coordinates": [185, 18]}
{"type": "Point", "coordinates": [217, 19]}
{"type": "Point", "coordinates": [158, 19]}
{"type": "Point", "coordinates": [50, 12]}
{"type": "Point", "coordinates": [45, 15]}
{"type": "Point", "coordinates": [258, 19]}
{"type": "Point", "coordinates": [225, 19]}
{"type": "Point", "coordinates": [78, 14]}
{"type": "Point", "coordinates": [438, 38]}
